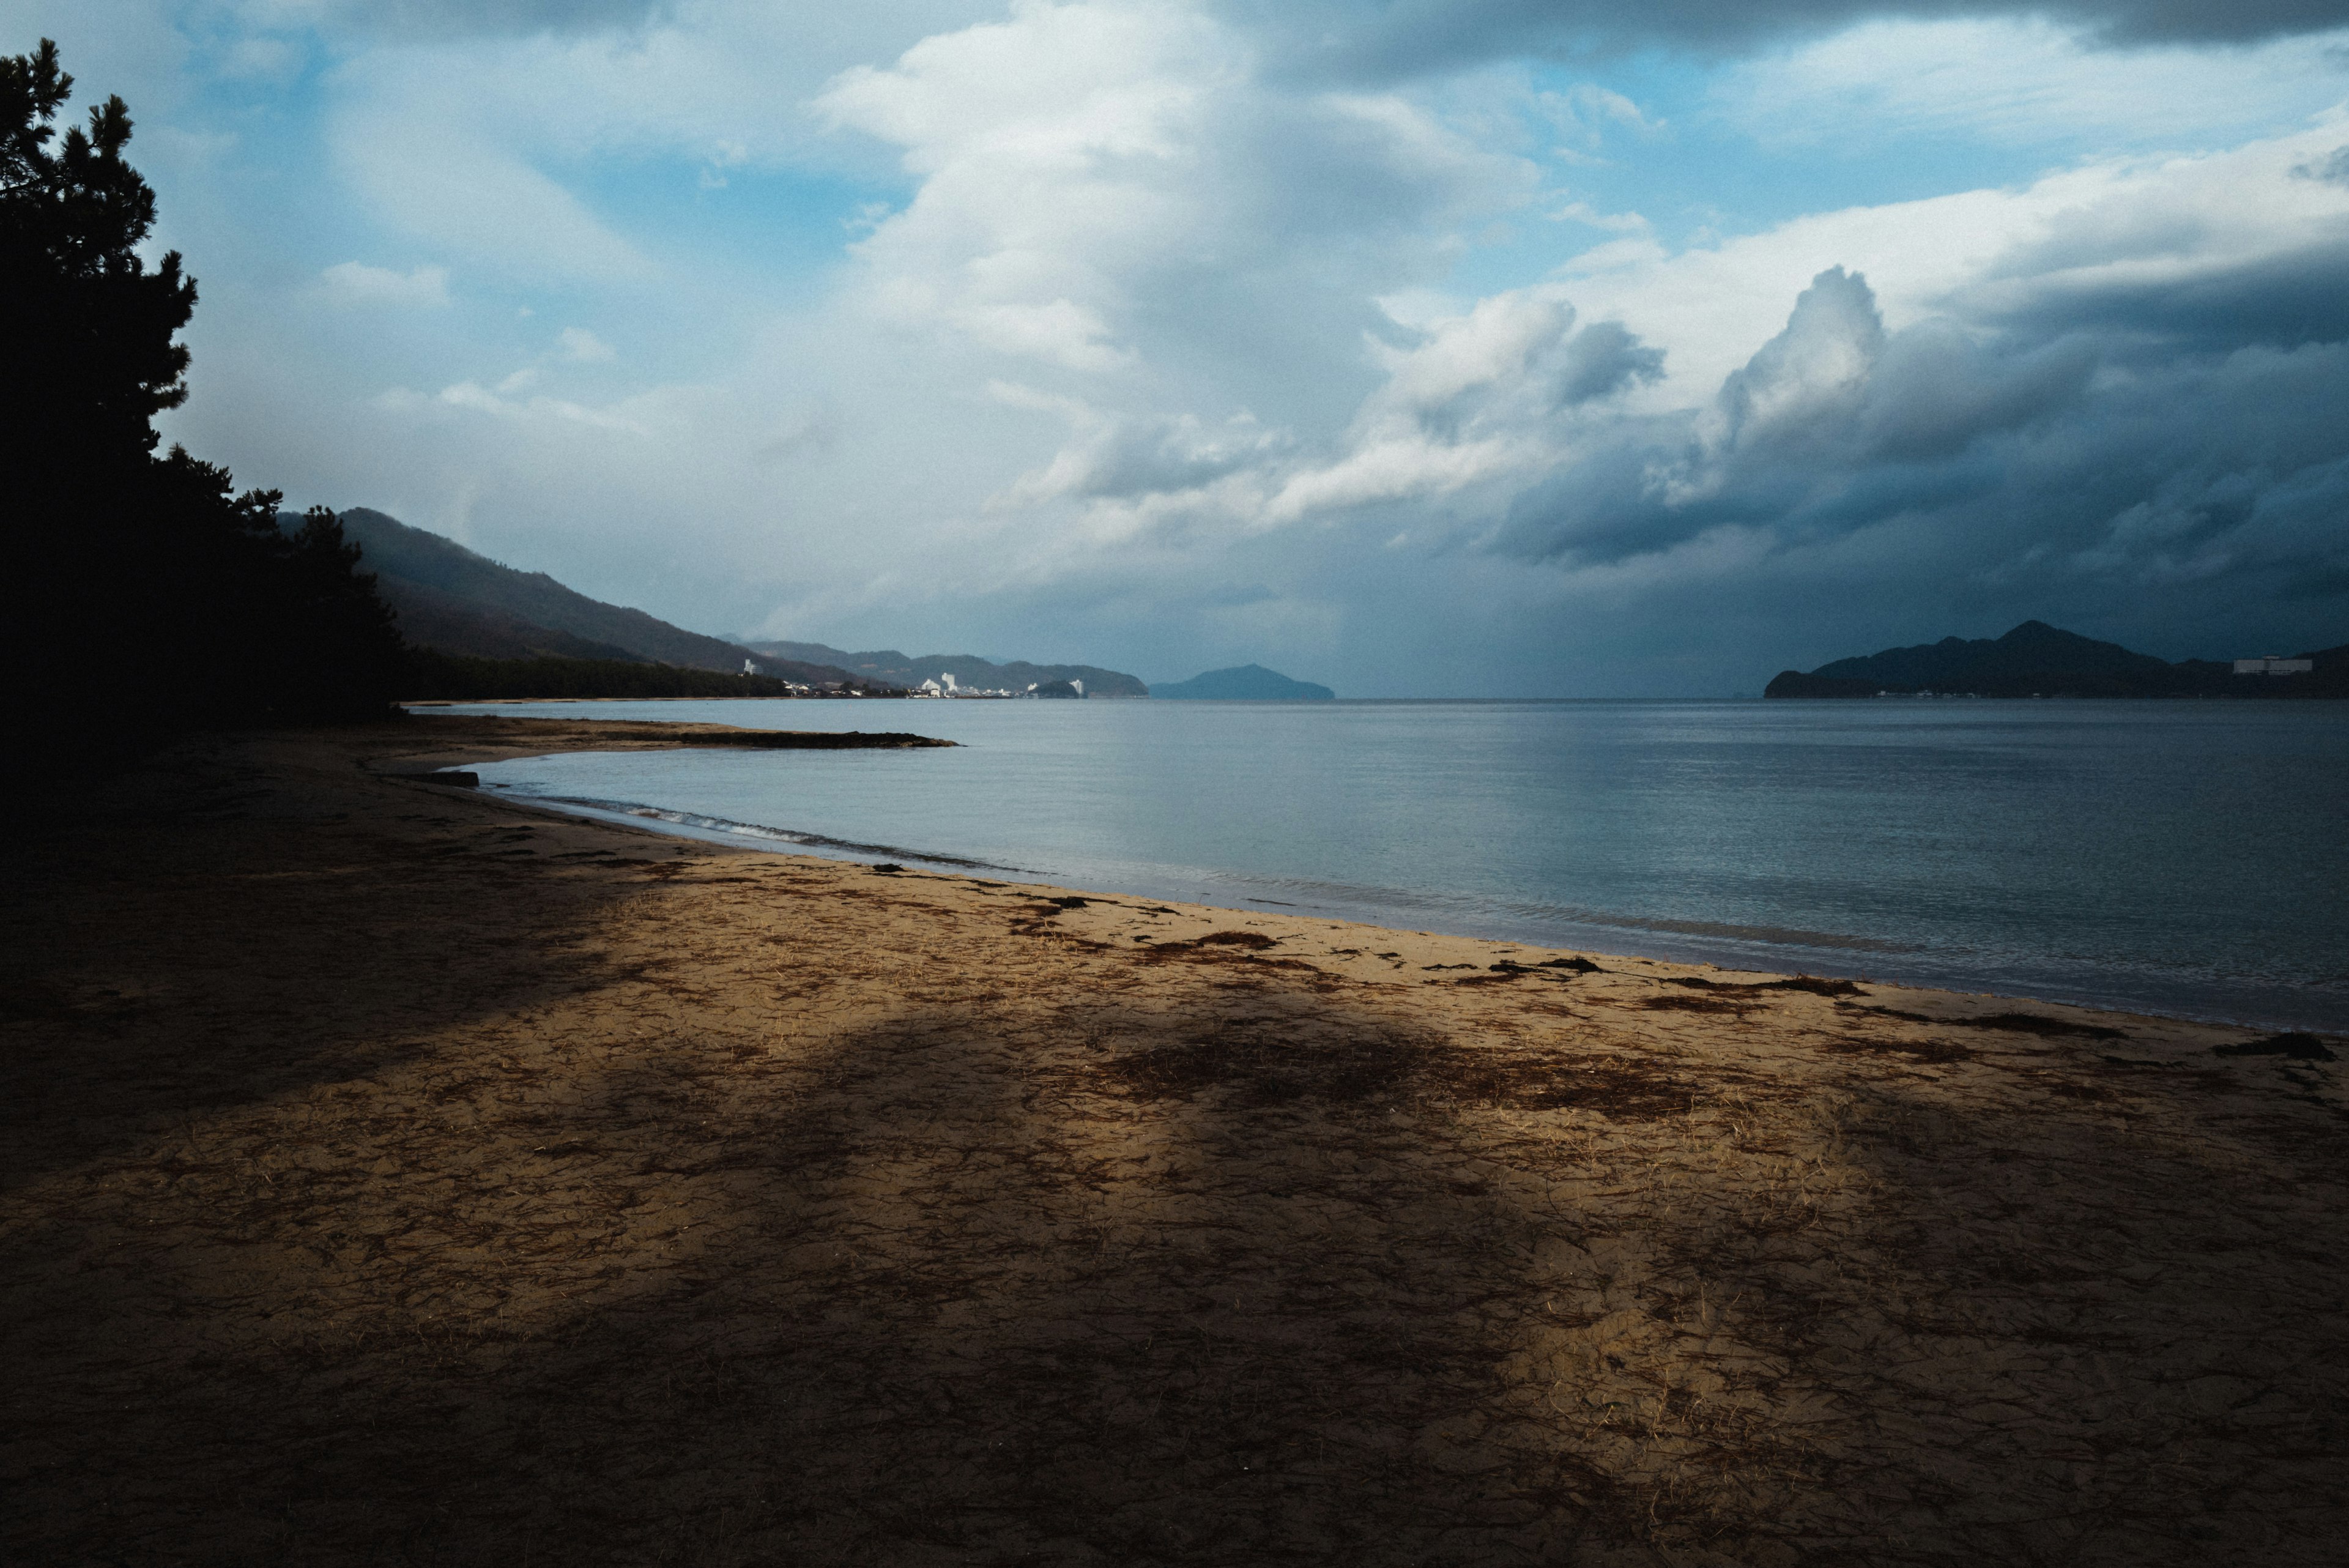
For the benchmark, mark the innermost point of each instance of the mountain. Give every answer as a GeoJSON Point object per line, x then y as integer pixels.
{"type": "Point", "coordinates": [457, 602]}
{"type": "Point", "coordinates": [2036, 659]}
{"type": "Point", "coordinates": [898, 670]}
{"type": "Point", "coordinates": [1246, 683]}
{"type": "Point", "coordinates": [431, 618]}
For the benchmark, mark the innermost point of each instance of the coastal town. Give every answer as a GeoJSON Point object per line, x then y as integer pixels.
{"type": "Point", "coordinates": [942, 685]}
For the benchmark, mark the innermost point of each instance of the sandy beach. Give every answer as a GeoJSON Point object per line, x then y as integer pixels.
{"type": "Point", "coordinates": [398, 1175]}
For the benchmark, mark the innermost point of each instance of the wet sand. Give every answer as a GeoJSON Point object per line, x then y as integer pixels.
{"type": "Point", "coordinates": [394, 1174]}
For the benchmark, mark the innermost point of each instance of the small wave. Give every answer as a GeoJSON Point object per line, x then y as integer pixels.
{"type": "Point", "coordinates": [1776, 936]}
{"type": "Point", "coordinates": [733, 830]}
{"type": "Point", "coordinates": [1390, 902]}
{"type": "Point", "coordinates": [1382, 904]}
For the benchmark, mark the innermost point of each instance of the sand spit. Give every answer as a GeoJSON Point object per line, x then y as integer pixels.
{"type": "Point", "coordinates": [394, 1174]}
{"type": "Point", "coordinates": [430, 741]}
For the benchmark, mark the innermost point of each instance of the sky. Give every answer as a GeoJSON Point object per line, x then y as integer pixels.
{"type": "Point", "coordinates": [1419, 347]}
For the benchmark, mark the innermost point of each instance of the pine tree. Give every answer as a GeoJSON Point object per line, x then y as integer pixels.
{"type": "Point", "coordinates": [90, 328]}
{"type": "Point", "coordinates": [141, 594]}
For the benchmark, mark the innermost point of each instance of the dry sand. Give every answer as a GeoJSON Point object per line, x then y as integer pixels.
{"type": "Point", "coordinates": [394, 1174]}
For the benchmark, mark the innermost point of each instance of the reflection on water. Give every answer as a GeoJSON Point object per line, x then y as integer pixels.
{"type": "Point", "coordinates": [2178, 857]}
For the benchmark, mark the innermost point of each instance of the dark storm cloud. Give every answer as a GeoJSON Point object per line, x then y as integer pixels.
{"type": "Point", "coordinates": [2098, 462]}
{"type": "Point", "coordinates": [1935, 390]}
{"type": "Point", "coordinates": [1603, 359]}
{"type": "Point", "coordinates": [2300, 297]}
{"type": "Point", "coordinates": [1402, 37]}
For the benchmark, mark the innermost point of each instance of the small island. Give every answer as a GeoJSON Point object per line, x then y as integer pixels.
{"type": "Point", "coordinates": [2036, 659]}
{"type": "Point", "coordinates": [1243, 683]}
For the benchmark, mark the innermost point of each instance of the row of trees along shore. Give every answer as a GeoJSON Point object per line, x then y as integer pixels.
{"type": "Point", "coordinates": [460, 679]}
{"type": "Point", "coordinates": [145, 597]}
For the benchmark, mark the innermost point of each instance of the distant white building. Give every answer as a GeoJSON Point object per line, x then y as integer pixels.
{"type": "Point", "coordinates": [749, 667]}
{"type": "Point", "coordinates": [2269, 664]}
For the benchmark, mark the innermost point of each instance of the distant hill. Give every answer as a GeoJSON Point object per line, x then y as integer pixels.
{"type": "Point", "coordinates": [2036, 659]}
{"type": "Point", "coordinates": [1244, 683]}
{"type": "Point", "coordinates": [457, 602]}
{"type": "Point", "coordinates": [899, 669]}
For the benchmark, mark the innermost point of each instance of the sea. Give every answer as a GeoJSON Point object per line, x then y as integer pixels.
{"type": "Point", "coordinates": [2188, 858]}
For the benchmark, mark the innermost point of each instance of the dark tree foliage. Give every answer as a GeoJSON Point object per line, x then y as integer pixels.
{"type": "Point", "coordinates": [141, 595]}
{"type": "Point", "coordinates": [434, 674]}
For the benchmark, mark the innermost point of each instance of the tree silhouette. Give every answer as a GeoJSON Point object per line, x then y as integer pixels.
{"type": "Point", "coordinates": [92, 328]}
{"type": "Point", "coordinates": [141, 594]}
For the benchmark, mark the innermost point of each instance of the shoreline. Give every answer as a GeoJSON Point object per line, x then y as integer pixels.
{"type": "Point", "coordinates": [1697, 954]}
{"type": "Point", "coordinates": [543, 737]}
{"type": "Point", "coordinates": [431, 1176]}
{"type": "Point", "coordinates": [1690, 943]}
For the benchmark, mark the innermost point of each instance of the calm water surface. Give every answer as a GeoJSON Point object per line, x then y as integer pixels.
{"type": "Point", "coordinates": [2188, 857]}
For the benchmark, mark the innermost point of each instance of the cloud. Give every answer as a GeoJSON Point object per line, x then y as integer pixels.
{"type": "Point", "coordinates": [504, 403]}
{"type": "Point", "coordinates": [1811, 376]}
{"type": "Point", "coordinates": [2018, 80]}
{"type": "Point", "coordinates": [1174, 461]}
{"type": "Point", "coordinates": [2098, 462]}
{"type": "Point", "coordinates": [1585, 112]}
{"type": "Point", "coordinates": [811, 430]}
{"type": "Point", "coordinates": [2119, 382]}
{"type": "Point", "coordinates": [1164, 333]}
{"type": "Point", "coordinates": [723, 86]}
{"type": "Point", "coordinates": [1475, 399]}
{"type": "Point", "coordinates": [484, 133]}
{"type": "Point", "coordinates": [582, 346]}
{"type": "Point", "coordinates": [1483, 398]}
{"type": "Point", "coordinates": [1390, 38]}
{"type": "Point", "coordinates": [1094, 177]}
{"type": "Point", "coordinates": [440, 177]}
{"type": "Point", "coordinates": [263, 59]}
{"type": "Point", "coordinates": [461, 18]}
{"type": "Point", "coordinates": [2334, 166]}
{"type": "Point", "coordinates": [355, 283]}
{"type": "Point", "coordinates": [1385, 37]}
{"type": "Point", "coordinates": [2115, 239]}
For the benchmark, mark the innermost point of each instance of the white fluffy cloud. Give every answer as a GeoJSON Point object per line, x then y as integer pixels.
{"type": "Point", "coordinates": [356, 283]}
{"type": "Point", "coordinates": [1091, 174]}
